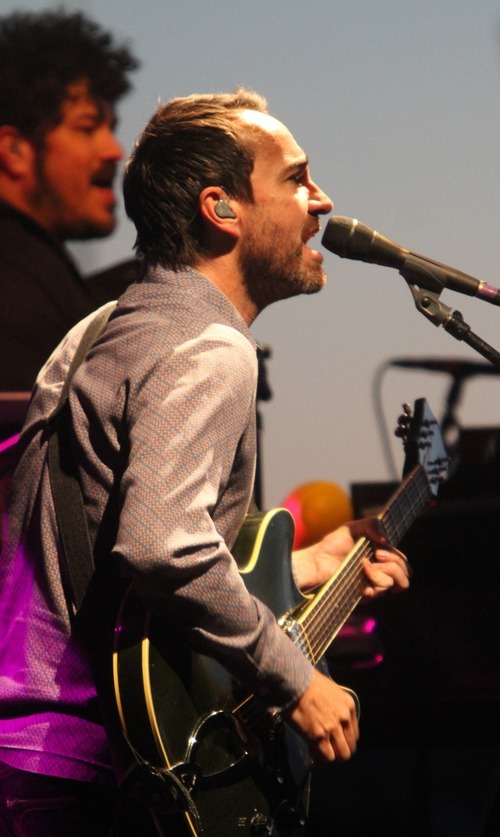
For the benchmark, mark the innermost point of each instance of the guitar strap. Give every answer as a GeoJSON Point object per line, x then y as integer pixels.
{"type": "Point", "coordinates": [77, 562]}
{"type": "Point", "coordinates": [87, 591]}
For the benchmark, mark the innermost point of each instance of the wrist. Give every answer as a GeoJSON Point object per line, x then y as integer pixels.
{"type": "Point", "coordinates": [305, 567]}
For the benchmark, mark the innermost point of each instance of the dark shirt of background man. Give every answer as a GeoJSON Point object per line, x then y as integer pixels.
{"type": "Point", "coordinates": [42, 295]}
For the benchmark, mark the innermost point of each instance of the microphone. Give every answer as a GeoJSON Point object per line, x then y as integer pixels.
{"type": "Point", "coordinates": [349, 239]}
{"type": "Point", "coordinates": [452, 366]}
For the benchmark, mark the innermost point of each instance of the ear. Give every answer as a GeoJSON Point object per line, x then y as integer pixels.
{"type": "Point", "coordinates": [16, 152]}
{"type": "Point", "coordinates": [219, 211]}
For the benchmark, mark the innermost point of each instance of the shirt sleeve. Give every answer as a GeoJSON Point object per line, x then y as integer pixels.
{"type": "Point", "coordinates": [189, 419]}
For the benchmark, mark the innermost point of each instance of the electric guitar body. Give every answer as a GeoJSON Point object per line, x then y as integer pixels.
{"type": "Point", "coordinates": [247, 771]}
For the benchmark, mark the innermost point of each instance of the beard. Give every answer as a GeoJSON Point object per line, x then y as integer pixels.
{"type": "Point", "coordinates": [67, 220]}
{"type": "Point", "coordinates": [273, 269]}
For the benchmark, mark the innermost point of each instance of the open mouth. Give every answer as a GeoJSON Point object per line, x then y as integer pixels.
{"type": "Point", "coordinates": [104, 178]}
{"type": "Point", "coordinates": [310, 234]}
{"type": "Point", "coordinates": [103, 182]}
{"type": "Point", "coordinates": [105, 190]}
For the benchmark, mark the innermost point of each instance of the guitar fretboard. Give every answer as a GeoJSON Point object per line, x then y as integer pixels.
{"type": "Point", "coordinates": [324, 615]}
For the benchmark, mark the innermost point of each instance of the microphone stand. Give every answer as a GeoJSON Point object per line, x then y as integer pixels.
{"type": "Point", "coordinates": [448, 421]}
{"type": "Point", "coordinates": [427, 301]}
{"type": "Point", "coordinates": [264, 393]}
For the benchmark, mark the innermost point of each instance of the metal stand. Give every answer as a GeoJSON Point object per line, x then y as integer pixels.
{"type": "Point", "coordinates": [427, 301]}
{"type": "Point", "coordinates": [264, 393]}
{"type": "Point", "coordinates": [426, 285]}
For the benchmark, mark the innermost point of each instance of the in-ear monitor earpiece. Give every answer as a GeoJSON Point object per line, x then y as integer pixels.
{"type": "Point", "coordinates": [223, 210]}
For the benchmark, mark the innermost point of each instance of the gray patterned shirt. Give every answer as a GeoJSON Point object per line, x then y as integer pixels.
{"type": "Point", "coordinates": [166, 400]}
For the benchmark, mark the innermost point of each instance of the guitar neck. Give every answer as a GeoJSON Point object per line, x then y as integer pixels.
{"type": "Point", "coordinates": [324, 614]}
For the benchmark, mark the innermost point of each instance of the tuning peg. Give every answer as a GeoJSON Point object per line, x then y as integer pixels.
{"type": "Point", "coordinates": [404, 421]}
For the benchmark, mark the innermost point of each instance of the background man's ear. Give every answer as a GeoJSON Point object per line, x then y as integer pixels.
{"type": "Point", "coordinates": [16, 151]}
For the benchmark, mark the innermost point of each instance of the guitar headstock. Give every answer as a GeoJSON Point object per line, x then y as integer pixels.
{"type": "Point", "coordinates": [423, 443]}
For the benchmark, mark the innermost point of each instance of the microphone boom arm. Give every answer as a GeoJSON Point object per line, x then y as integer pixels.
{"type": "Point", "coordinates": [419, 272]}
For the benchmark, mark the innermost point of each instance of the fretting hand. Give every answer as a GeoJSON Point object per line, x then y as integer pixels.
{"type": "Point", "coordinates": [317, 563]}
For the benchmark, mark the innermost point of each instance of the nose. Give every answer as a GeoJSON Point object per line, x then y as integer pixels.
{"type": "Point", "coordinates": [319, 202]}
{"type": "Point", "coordinates": [110, 148]}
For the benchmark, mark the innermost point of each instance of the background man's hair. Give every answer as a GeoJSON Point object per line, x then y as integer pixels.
{"type": "Point", "coordinates": [42, 53]}
{"type": "Point", "coordinates": [190, 143]}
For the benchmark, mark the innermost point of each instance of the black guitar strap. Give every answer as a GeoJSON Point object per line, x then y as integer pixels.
{"type": "Point", "coordinates": [77, 566]}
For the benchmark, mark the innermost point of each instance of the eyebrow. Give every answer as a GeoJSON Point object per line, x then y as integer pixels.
{"type": "Point", "coordinates": [98, 115]}
{"type": "Point", "coordinates": [297, 165]}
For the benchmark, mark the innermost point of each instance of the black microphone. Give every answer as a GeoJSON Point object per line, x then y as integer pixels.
{"type": "Point", "coordinates": [349, 239]}
{"type": "Point", "coordinates": [452, 366]}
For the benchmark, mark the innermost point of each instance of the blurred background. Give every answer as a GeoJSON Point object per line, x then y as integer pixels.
{"type": "Point", "coordinates": [397, 105]}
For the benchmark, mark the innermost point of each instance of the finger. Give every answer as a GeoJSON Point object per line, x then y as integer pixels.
{"type": "Point", "coordinates": [346, 734]}
{"type": "Point", "coordinates": [344, 741]}
{"type": "Point", "coordinates": [355, 723]}
{"type": "Point", "coordinates": [371, 528]}
{"type": "Point", "coordinates": [381, 578]}
{"type": "Point", "coordinates": [377, 532]}
{"type": "Point", "coordinates": [391, 579]}
{"type": "Point", "coordinates": [391, 554]}
{"type": "Point", "coordinates": [322, 750]}
{"type": "Point", "coordinates": [351, 735]}
{"type": "Point", "coordinates": [395, 564]}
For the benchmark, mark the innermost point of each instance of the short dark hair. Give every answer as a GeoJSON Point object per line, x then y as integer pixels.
{"type": "Point", "coordinates": [41, 54]}
{"type": "Point", "coordinates": [190, 143]}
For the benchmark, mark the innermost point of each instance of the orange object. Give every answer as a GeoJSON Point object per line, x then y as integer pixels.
{"type": "Point", "coordinates": [317, 508]}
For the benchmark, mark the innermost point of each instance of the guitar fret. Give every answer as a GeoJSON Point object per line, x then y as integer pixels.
{"type": "Point", "coordinates": [406, 506]}
{"type": "Point", "coordinates": [332, 606]}
{"type": "Point", "coordinates": [335, 606]}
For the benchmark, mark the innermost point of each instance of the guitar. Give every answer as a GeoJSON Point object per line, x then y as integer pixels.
{"type": "Point", "coordinates": [245, 772]}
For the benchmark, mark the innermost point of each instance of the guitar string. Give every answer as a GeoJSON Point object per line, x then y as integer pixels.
{"type": "Point", "coordinates": [340, 604]}
{"type": "Point", "coordinates": [341, 597]}
{"type": "Point", "coordinates": [350, 584]}
{"type": "Point", "coordinates": [339, 600]}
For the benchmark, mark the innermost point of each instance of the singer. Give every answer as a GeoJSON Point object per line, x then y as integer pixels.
{"type": "Point", "coordinates": [161, 427]}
